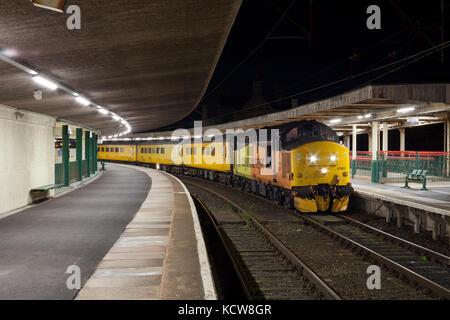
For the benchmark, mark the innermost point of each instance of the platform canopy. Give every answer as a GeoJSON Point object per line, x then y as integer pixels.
{"type": "Point", "coordinates": [150, 62]}
{"type": "Point", "coordinates": [394, 104]}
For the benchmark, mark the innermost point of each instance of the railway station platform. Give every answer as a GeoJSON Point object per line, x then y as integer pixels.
{"type": "Point", "coordinates": [425, 210]}
{"type": "Point", "coordinates": [132, 234]}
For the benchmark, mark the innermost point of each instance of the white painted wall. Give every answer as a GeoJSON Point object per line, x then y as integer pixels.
{"type": "Point", "coordinates": [27, 156]}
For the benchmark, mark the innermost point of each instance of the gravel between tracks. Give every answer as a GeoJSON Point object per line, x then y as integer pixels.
{"type": "Point", "coordinates": [342, 269]}
{"type": "Point", "coordinates": [406, 232]}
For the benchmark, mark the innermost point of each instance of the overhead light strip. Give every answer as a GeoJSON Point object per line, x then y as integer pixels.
{"type": "Point", "coordinates": [53, 85]}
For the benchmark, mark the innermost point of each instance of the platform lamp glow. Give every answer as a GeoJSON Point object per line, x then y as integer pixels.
{"type": "Point", "coordinates": [55, 5]}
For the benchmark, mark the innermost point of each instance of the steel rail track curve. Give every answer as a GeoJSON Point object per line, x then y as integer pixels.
{"type": "Point", "coordinates": [319, 284]}
{"type": "Point", "coordinates": [415, 277]}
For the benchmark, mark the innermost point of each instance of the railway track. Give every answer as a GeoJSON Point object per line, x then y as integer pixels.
{"type": "Point", "coordinates": [266, 268]}
{"type": "Point", "coordinates": [418, 267]}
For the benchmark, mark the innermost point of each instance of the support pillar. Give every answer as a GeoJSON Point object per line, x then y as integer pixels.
{"type": "Point", "coordinates": [402, 139]}
{"type": "Point", "coordinates": [347, 141]}
{"type": "Point", "coordinates": [370, 142]}
{"type": "Point", "coordinates": [447, 148]}
{"type": "Point", "coordinates": [354, 149]}
{"type": "Point", "coordinates": [93, 151]}
{"type": "Point", "coordinates": [87, 152]}
{"type": "Point", "coordinates": [66, 155]}
{"type": "Point", "coordinates": [375, 134]}
{"type": "Point", "coordinates": [385, 137]}
{"type": "Point", "coordinates": [79, 142]}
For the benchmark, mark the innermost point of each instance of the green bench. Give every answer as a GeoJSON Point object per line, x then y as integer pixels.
{"type": "Point", "coordinates": [41, 193]}
{"type": "Point", "coordinates": [417, 175]}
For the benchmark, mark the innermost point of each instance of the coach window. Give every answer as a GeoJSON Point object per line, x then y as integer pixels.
{"type": "Point", "coordinates": [117, 149]}
{"type": "Point", "coordinates": [142, 150]}
{"type": "Point", "coordinates": [213, 151]}
{"type": "Point", "coordinates": [163, 150]}
{"type": "Point", "coordinates": [121, 149]}
{"type": "Point", "coordinates": [103, 149]}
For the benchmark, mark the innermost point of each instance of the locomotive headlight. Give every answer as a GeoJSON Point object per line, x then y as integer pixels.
{"type": "Point", "coordinates": [324, 170]}
{"type": "Point", "coordinates": [313, 158]}
{"type": "Point", "coordinates": [333, 158]}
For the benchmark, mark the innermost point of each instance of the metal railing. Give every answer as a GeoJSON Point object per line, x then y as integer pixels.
{"type": "Point", "coordinates": [392, 166]}
{"type": "Point", "coordinates": [59, 171]}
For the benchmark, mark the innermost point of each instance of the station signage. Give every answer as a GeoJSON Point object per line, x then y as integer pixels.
{"type": "Point", "coordinates": [55, 5]}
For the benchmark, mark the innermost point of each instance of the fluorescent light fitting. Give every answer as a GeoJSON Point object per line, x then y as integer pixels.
{"type": "Point", "coordinates": [116, 117]}
{"type": "Point", "coordinates": [360, 117]}
{"type": "Point", "coordinates": [368, 115]}
{"type": "Point", "coordinates": [335, 120]}
{"type": "Point", "coordinates": [45, 82]}
{"type": "Point", "coordinates": [405, 110]}
{"type": "Point", "coordinates": [83, 101]}
{"type": "Point", "coordinates": [103, 111]}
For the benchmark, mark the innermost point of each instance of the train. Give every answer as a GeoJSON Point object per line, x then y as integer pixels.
{"type": "Point", "coordinates": [312, 175]}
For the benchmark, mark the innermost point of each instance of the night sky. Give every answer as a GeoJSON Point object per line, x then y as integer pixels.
{"type": "Point", "coordinates": [341, 46]}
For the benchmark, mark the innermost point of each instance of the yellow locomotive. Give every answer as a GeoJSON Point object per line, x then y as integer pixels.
{"type": "Point", "coordinates": [313, 171]}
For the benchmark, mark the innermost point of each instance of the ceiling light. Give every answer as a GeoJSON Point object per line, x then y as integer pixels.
{"type": "Point", "coordinates": [405, 110]}
{"type": "Point", "coordinates": [335, 121]}
{"type": "Point", "coordinates": [103, 111]}
{"type": "Point", "coordinates": [360, 117]}
{"type": "Point", "coordinates": [83, 101]}
{"type": "Point", "coordinates": [45, 82]}
{"type": "Point", "coordinates": [368, 115]}
{"type": "Point", "coordinates": [116, 117]}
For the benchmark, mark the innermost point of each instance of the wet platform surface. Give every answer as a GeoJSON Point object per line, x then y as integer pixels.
{"type": "Point", "coordinates": [436, 197]}
{"type": "Point", "coordinates": [37, 245]}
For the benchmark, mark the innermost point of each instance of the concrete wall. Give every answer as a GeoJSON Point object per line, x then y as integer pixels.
{"type": "Point", "coordinates": [421, 220]}
{"type": "Point", "coordinates": [27, 157]}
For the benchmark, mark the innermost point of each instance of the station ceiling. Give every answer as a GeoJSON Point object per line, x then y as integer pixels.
{"type": "Point", "coordinates": [148, 61]}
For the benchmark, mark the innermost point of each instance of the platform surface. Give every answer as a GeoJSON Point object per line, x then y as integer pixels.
{"type": "Point", "coordinates": [160, 254]}
{"type": "Point", "coordinates": [38, 244]}
{"type": "Point", "coordinates": [435, 199]}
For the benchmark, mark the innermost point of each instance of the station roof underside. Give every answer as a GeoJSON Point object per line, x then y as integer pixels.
{"type": "Point", "coordinates": [382, 102]}
{"type": "Point", "coordinates": [150, 62]}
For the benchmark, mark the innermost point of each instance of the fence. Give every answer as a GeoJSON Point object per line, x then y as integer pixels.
{"type": "Point", "coordinates": [59, 171]}
{"type": "Point", "coordinates": [392, 166]}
